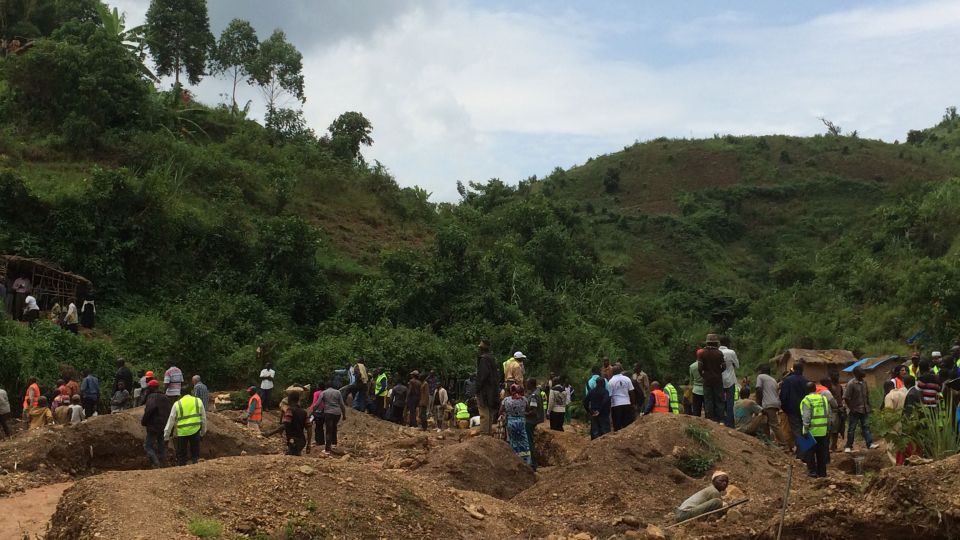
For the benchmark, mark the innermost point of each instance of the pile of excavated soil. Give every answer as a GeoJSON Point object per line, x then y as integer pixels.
{"type": "Point", "coordinates": [115, 442]}
{"type": "Point", "coordinates": [636, 471]}
{"type": "Point", "coordinates": [552, 448]}
{"type": "Point", "coordinates": [283, 497]}
{"type": "Point", "coordinates": [900, 502]}
{"type": "Point", "coordinates": [482, 464]}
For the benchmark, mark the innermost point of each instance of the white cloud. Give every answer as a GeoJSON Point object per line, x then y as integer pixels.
{"type": "Point", "coordinates": [459, 91]}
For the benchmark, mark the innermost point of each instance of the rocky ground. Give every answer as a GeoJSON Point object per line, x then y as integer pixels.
{"type": "Point", "coordinates": [387, 481]}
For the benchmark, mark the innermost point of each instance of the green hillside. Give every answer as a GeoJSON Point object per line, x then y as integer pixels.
{"type": "Point", "coordinates": [207, 234]}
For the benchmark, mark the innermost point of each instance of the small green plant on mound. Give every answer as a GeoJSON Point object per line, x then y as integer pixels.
{"type": "Point", "coordinates": [697, 463]}
{"type": "Point", "coordinates": [204, 527]}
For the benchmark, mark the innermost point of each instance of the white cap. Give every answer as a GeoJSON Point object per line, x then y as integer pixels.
{"type": "Point", "coordinates": [936, 353]}
{"type": "Point", "coordinates": [519, 355]}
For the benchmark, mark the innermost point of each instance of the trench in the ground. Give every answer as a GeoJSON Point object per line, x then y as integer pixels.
{"type": "Point", "coordinates": [27, 514]}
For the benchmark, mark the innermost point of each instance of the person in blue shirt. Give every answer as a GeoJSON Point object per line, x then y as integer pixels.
{"type": "Point", "coordinates": [90, 393]}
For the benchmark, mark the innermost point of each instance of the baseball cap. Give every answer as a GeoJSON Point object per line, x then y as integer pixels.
{"type": "Point", "coordinates": [519, 355]}
{"type": "Point", "coordinates": [153, 384]}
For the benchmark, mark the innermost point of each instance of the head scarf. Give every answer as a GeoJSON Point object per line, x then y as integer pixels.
{"type": "Point", "coordinates": [516, 391]}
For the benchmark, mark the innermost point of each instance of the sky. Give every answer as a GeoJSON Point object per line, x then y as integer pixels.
{"type": "Point", "coordinates": [468, 90]}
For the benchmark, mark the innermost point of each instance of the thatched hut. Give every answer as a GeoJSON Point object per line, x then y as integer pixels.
{"type": "Point", "coordinates": [817, 363]}
{"type": "Point", "coordinates": [49, 284]}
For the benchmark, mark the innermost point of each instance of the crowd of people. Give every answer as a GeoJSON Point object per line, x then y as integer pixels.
{"type": "Point", "coordinates": [20, 301]}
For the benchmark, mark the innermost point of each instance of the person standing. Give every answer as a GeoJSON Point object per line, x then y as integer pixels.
{"type": "Point", "coordinates": [295, 424]}
{"type": "Point", "coordinates": [90, 393]}
{"type": "Point", "coordinates": [381, 389]}
{"type": "Point", "coordinates": [597, 402]}
{"type": "Point", "coordinates": [31, 398]}
{"type": "Point", "coordinates": [156, 410]}
{"type": "Point", "coordinates": [360, 388]}
{"type": "Point", "coordinates": [557, 405]}
{"type": "Point", "coordinates": [172, 380]}
{"type": "Point", "coordinates": [514, 408]}
{"type": "Point", "coordinates": [659, 402]}
{"type": "Point", "coordinates": [123, 375]}
{"type": "Point", "coordinates": [815, 417]}
{"type": "Point", "coordinates": [792, 391]}
{"type": "Point", "coordinates": [189, 418]}
{"type": "Point", "coordinates": [769, 399]}
{"type": "Point", "coordinates": [72, 319]}
{"type": "Point", "coordinates": [334, 410]}
{"type": "Point", "coordinates": [621, 390]}
{"type": "Point", "coordinates": [4, 412]}
{"type": "Point", "coordinates": [413, 398]}
{"type": "Point", "coordinates": [440, 401]}
{"type": "Point", "coordinates": [696, 386]}
{"type": "Point", "coordinates": [398, 401]}
{"type": "Point", "coordinates": [710, 365]}
{"type": "Point", "coordinates": [488, 387]}
{"type": "Point", "coordinates": [672, 394]}
{"type": "Point", "coordinates": [21, 289]}
{"type": "Point", "coordinates": [3, 299]}
{"type": "Point", "coordinates": [77, 414]}
{"type": "Point", "coordinates": [729, 379]}
{"type": "Point", "coordinates": [513, 370]}
{"type": "Point", "coordinates": [424, 402]}
{"type": "Point", "coordinates": [641, 385]}
{"type": "Point", "coordinates": [254, 415]}
{"type": "Point", "coordinates": [534, 415]}
{"type": "Point", "coordinates": [88, 313]}
{"type": "Point", "coordinates": [857, 399]}
{"type": "Point", "coordinates": [201, 391]}
{"type": "Point", "coordinates": [839, 412]}
{"type": "Point", "coordinates": [266, 384]}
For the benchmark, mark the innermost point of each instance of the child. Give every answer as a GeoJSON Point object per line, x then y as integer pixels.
{"type": "Point", "coordinates": [77, 414]}
{"type": "Point", "coordinates": [121, 398]}
{"type": "Point", "coordinates": [40, 415]}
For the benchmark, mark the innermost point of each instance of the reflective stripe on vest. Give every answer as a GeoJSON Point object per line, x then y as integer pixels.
{"type": "Point", "coordinates": [189, 418]}
{"type": "Point", "coordinates": [258, 410]}
{"type": "Point", "coordinates": [661, 403]}
{"type": "Point", "coordinates": [819, 423]}
{"type": "Point", "coordinates": [382, 379]}
{"type": "Point", "coordinates": [462, 412]}
{"type": "Point", "coordinates": [674, 399]}
{"type": "Point", "coordinates": [27, 405]}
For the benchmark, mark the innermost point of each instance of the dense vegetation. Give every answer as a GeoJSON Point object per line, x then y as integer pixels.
{"type": "Point", "coordinates": [207, 233]}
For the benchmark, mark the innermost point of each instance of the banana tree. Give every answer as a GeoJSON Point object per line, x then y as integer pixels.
{"type": "Point", "coordinates": [132, 39]}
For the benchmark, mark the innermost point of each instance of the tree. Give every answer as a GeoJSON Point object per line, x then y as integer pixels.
{"type": "Point", "coordinates": [277, 69]}
{"type": "Point", "coordinates": [832, 129]}
{"type": "Point", "coordinates": [235, 51]}
{"type": "Point", "coordinates": [114, 23]}
{"type": "Point", "coordinates": [348, 132]}
{"type": "Point", "coordinates": [179, 38]}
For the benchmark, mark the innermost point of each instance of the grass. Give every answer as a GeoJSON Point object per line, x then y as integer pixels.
{"type": "Point", "coordinates": [697, 464]}
{"type": "Point", "coordinates": [202, 527]}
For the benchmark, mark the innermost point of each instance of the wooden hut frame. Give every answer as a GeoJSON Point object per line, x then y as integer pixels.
{"type": "Point", "coordinates": [51, 285]}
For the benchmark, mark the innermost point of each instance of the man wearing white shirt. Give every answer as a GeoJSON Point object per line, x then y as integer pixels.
{"type": "Point", "coordinates": [729, 376]}
{"type": "Point", "coordinates": [621, 408]}
{"type": "Point", "coordinates": [266, 384]}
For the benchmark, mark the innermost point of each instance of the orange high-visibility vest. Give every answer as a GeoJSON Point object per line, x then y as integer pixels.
{"type": "Point", "coordinates": [897, 383]}
{"type": "Point", "coordinates": [27, 404]}
{"type": "Point", "coordinates": [661, 403]}
{"type": "Point", "coordinates": [821, 389]}
{"type": "Point", "coordinates": [257, 410]}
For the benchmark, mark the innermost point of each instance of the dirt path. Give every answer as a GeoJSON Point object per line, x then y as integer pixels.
{"type": "Point", "coordinates": [26, 515]}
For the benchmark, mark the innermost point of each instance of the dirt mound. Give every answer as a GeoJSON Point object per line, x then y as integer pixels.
{"type": "Point", "coordinates": [873, 461]}
{"type": "Point", "coordinates": [482, 464]}
{"type": "Point", "coordinates": [900, 502]}
{"type": "Point", "coordinates": [115, 442]}
{"type": "Point", "coordinates": [282, 497]}
{"type": "Point", "coordinates": [649, 468]}
{"type": "Point", "coordinates": [552, 448]}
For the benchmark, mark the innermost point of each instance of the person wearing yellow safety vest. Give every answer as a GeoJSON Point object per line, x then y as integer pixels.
{"type": "Point", "coordinates": [815, 415]}
{"type": "Point", "coordinates": [671, 391]}
{"type": "Point", "coordinates": [188, 420]}
{"type": "Point", "coordinates": [381, 388]}
{"type": "Point", "coordinates": [462, 414]}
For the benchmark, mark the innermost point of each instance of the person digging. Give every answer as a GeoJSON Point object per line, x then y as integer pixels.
{"type": "Point", "coordinates": [706, 500]}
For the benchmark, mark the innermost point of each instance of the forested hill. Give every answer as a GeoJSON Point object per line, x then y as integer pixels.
{"type": "Point", "coordinates": [207, 233]}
